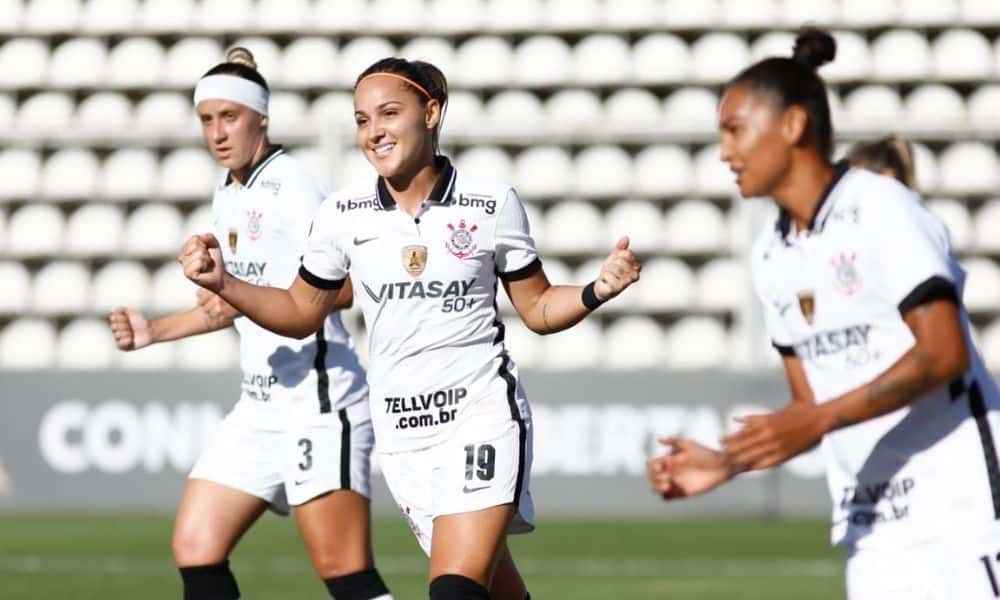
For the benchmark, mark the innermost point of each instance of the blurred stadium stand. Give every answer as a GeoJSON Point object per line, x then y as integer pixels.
{"type": "Point", "coordinates": [601, 112]}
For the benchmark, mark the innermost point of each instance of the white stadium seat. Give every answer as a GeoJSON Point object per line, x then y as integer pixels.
{"type": "Point", "coordinates": [663, 170]}
{"type": "Point", "coordinates": [8, 110]}
{"type": "Point", "coordinates": [935, 106]}
{"type": "Point", "coordinates": [354, 167]}
{"type": "Point", "coordinates": [61, 287]}
{"type": "Point", "coordinates": [543, 60]}
{"type": "Point", "coordinates": [925, 165]}
{"type": "Point", "coordinates": [287, 112]}
{"type": "Point", "coordinates": [70, 174]}
{"type": "Point", "coordinates": [641, 221]}
{"type": "Point", "coordinates": [78, 62]}
{"type": "Point", "coordinates": [3, 227]}
{"type": "Point", "coordinates": [309, 62]}
{"type": "Point", "coordinates": [750, 13]}
{"type": "Point", "coordinates": [52, 16]}
{"type": "Point", "coordinates": [359, 54]}
{"type": "Point", "coordinates": [188, 59]}
{"type": "Point", "coordinates": [200, 220]}
{"type": "Point", "coordinates": [35, 230]}
{"type": "Point", "coordinates": [695, 226]}
{"type": "Point", "coordinates": [990, 346]}
{"type": "Point", "coordinates": [121, 283]}
{"type": "Point", "coordinates": [335, 111]}
{"type": "Point", "coordinates": [27, 344]}
{"type": "Point", "coordinates": [717, 57]}
{"type": "Point", "coordinates": [483, 61]}
{"type": "Point", "coordinates": [581, 347]}
{"type": "Point", "coordinates": [339, 16]}
{"type": "Point", "coordinates": [572, 15]}
{"type": "Point", "coordinates": [602, 59]}
{"type": "Point", "coordinates": [317, 163]}
{"type": "Point", "coordinates": [280, 15]}
{"type": "Point", "coordinates": [162, 112]}
{"type": "Point", "coordinates": [982, 106]}
{"type": "Point", "coordinates": [853, 61]}
{"type": "Point", "coordinates": [956, 217]}
{"type": "Point", "coordinates": [94, 229]}
{"type": "Point", "coordinates": [633, 110]}
{"type": "Point", "coordinates": [589, 270]}
{"type": "Point", "coordinates": [987, 225]}
{"type": "Point", "coordinates": [901, 54]}
{"type": "Point", "coordinates": [723, 284]}
{"type": "Point", "coordinates": [822, 13]}
{"type": "Point", "coordinates": [543, 171]}
{"type": "Point", "coordinates": [397, 16]}
{"type": "Point", "coordinates": [684, 14]}
{"type": "Point", "coordinates": [515, 112]}
{"type": "Point", "coordinates": [215, 16]}
{"type": "Point", "coordinates": [631, 14]}
{"type": "Point", "coordinates": [774, 43]}
{"type": "Point", "coordinates": [103, 112]}
{"type": "Point", "coordinates": [85, 344]}
{"type": "Point", "coordinates": [266, 53]}
{"type": "Point", "coordinates": [712, 176]}
{"type": "Point", "coordinates": [872, 108]}
{"type": "Point", "coordinates": [22, 173]}
{"type": "Point", "coordinates": [697, 343]}
{"type": "Point", "coordinates": [209, 352]}
{"type": "Point", "coordinates": [691, 110]}
{"type": "Point", "coordinates": [46, 112]}
{"type": "Point", "coordinates": [962, 54]}
{"type": "Point", "coordinates": [982, 287]}
{"type": "Point", "coordinates": [969, 167]}
{"type": "Point", "coordinates": [129, 173]}
{"type": "Point", "coordinates": [13, 11]}
{"type": "Point", "coordinates": [868, 13]}
{"type": "Point", "coordinates": [465, 112]}
{"type": "Point", "coordinates": [920, 13]}
{"type": "Point", "coordinates": [437, 51]}
{"type": "Point", "coordinates": [666, 284]}
{"type": "Point", "coordinates": [25, 62]}
{"type": "Point", "coordinates": [602, 171]}
{"type": "Point", "coordinates": [136, 62]}
{"type": "Point", "coordinates": [514, 15]}
{"type": "Point", "coordinates": [525, 346]}
{"type": "Point", "coordinates": [16, 296]}
{"type": "Point", "coordinates": [153, 230]}
{"type": "Point", "coordinates": [167, 15]}
{"type": "Point", "coordinates": [487, 162]}
{"type": "Point", "coordinates": [634, 343]}
{"type": "Point", "coordinates": [172, 291]}
{"type": "Point", "coordinates": [573, 227]}
{"type": "Point", "coordinates": [188, 173]}
{"type": "Point", "coordinates": [110, 16]}
{"type": "Point", "coordinates": [572, 110]}
{"type": "Point", "coordinates": [979, 12]}
{"type": "Point", "coordinates": [661, 58]}
{"type": "Point", "coordinates": [456, 16]}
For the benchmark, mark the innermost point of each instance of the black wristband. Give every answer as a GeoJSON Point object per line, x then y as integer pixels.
{"type": "Point", "coordinates": [589, 298]}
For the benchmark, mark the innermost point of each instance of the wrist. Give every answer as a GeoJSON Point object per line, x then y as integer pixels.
{"type": "Point", "coordinates": [589, 296]}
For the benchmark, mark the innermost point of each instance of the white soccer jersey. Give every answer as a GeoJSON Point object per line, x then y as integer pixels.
{"type": "Point", "coordinates": [834, 296]}
{"type": "Point", "coordinates": [263, 227]}
{"type": "Point", "coordinates": [427, 286]}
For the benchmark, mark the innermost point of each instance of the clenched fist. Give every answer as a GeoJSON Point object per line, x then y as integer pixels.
{"type": "Point", "coordinates": [129, 328]}
{"type": "Point", "coordinates": [620, 270]}
{"type": "Point", "coordinates": [202, 261]}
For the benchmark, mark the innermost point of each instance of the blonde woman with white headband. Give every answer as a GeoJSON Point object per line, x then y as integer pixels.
{"type": "Point", "coordinates": [300, 436]}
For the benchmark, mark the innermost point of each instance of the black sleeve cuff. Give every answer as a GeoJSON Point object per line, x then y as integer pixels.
{"type": "Point", "coordinates": [319, 282]}
{"type": "Point", "coordinates": [784, 350]}
{"type": "Point", "coordinates": [524, 272]}
{"type": "Point", "coordinates": [935, 288]}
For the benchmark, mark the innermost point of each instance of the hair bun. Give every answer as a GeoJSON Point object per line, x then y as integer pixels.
{"type": "Point", "coordinates": [241, 56]}
{"type": "Point", "coordinates": [814, 48]}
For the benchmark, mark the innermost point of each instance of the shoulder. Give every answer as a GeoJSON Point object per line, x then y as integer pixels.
{"type": "Point", "coordinates": [877, 197]}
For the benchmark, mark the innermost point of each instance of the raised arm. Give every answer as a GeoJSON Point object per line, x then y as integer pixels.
{"type": "Point", "coordinates": [132, 330]}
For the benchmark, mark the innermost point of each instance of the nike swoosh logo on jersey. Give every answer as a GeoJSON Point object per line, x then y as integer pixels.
{"type": "Point", "coordinates": [358, 241]}
{"type": "Point", "coordinates": [301, 482]}
{"type": "Point", "coordinates": [783, 308]}
{"type": "Point", "coordinates": [469, 490]}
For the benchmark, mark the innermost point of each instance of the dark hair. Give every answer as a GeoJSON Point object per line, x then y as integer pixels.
{"type": "Point", "coordinates": [419, 72]}
{"type": "Point", "coordinates": [794, 81]}
{"type": "Point", "coordinates": [239, 62]}
{"type": "Point", "coordinates": [891, 152]}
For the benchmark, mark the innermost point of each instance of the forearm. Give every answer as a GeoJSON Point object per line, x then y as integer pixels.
{"type": "Point", "coordinates": [195, 321]}
{"type": "Point", "coordinates": [275, 309]}
{"type": "Point", "coordinates": [559, 307]}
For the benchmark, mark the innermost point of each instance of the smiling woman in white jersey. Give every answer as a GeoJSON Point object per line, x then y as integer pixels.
{"type": "Point", "coordinates": [301, 433]}
{"type": "Point", "coordinates": [863, 301]}
{"type": "Point", "coordinates": [427, 248]}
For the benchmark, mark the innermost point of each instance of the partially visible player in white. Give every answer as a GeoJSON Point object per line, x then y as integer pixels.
{"type": "Point", "coordinates": [301, 433]}
{"type": "Point", "coordinates": [862, 299]}
{"type": "Point", "coordinates": [427, 248]}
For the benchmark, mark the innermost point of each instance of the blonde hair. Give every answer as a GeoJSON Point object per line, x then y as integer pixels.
{"type": "Point", "coordinates": [893, 153]}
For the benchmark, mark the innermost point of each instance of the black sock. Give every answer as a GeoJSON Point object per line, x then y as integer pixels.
{"type": "Point", "coordinates": [457, 587]}
{"type": "Point", "coordinates": [362, 585]}
{"type": "Point", "coordinates": [209, 582]}
{"type": "Point", "coordinates": [527, 596]}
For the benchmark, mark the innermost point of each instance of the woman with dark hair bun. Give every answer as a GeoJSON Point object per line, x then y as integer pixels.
{"type": "Point", "coordinates": [300, 437]}
{"type": "Point", "coordinates": [862, 300]}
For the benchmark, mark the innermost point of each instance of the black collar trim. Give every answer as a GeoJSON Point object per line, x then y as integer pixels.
{"type": "Point", "coordinates": [272, 153]}
{"type": "Point", "coordinates": [440, 193]}
{"type": "Point", "coordinates": [784, 224]}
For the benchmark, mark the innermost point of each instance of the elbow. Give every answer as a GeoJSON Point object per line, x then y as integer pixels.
{"type": "Point", "coordinates": [956, 363]}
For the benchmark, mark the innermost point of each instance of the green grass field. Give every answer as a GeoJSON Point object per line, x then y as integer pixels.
{"type": "Point", "coordinates": [105, 557]}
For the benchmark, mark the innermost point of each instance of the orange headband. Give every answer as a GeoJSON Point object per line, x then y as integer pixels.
{"type": "Point", "coordinates": [401, 78]}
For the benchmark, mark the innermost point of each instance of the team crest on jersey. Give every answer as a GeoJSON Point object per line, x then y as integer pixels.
{"type": "Point", "coordinates": [414, 259]}
{"type": "Point", "coordinates": [847, 278]}
{"type": "Point", "coordinates": [254, 228]}
{"type": "Point", "coordinates": [807, 304]}
{"type": "Point", "coordinates": [461, 243]}
{"type": "Point", "coordinates": [234, 236]}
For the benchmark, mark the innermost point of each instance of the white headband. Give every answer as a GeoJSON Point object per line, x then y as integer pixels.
{"type": "Point", "coordinates": [230, 87]}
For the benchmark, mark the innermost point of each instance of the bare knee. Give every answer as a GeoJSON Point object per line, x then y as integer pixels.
{"type": "Point", "coordinates": [193, 546]}
{"type": "Point", "coordinates": [331, 564]}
